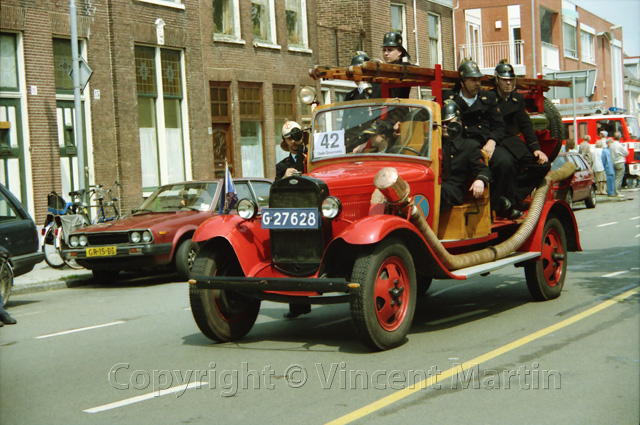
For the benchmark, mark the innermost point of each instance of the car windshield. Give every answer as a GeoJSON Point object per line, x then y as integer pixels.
{"type": "Point", "coordinates": [634, 129]}
{"type": "Point", "coordinates": [174, 197]}
{"type": "Point", "coordinates": [387, 127]}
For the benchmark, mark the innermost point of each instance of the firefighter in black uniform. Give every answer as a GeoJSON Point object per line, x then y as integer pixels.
{"type": "Point", "coordinates": [363, 91]}
{"type": "Point", "coordinates": [460, 156]}
{"type": "Point", "coordinates": [483, 123]}
{"type": "Point", "coordinates": [393, 52]}
{"type": "Point", "coordinates": [529, 163]}
{"type": "Point", "coordinates": [292, 142]}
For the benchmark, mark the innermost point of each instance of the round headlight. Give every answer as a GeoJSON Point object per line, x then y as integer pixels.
{"type": "Point", "coordinates": [83, 240]}
{"type": "Point", "coordinates": [307, 95]}
{"type": "Point", "coordinates": [73, 241]}
{"type": "Point", "coordinates": [135, 237]}
{"type": "Point", "coordinates": [247, 209]}
{"type": "Point", "coordinates": [331, 207]}
{"type": "Point", "coordinates": [146, 236]}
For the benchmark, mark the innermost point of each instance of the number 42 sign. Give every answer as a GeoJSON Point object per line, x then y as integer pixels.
{"type": "Point", "coordinates": [330, 143]}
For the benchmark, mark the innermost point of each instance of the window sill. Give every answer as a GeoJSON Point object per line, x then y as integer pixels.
{"type": "Point", "coordinates": [575, 58]}
{"type": "Point", "coordinates": [266, 45]}
{"type": "Point", "coordinates": [589, 62]}
{"type": "Point", "coordinates": [166, 3]}
{"type": "Point", "coordinates": [218, 38]}
{"type": "Point", "coordinates": [299, 49]}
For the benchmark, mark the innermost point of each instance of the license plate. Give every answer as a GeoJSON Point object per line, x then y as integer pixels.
{"type": "Point", "coordinates": [290, 218]}
{"type": "Point", "coordinates": [102, 251]}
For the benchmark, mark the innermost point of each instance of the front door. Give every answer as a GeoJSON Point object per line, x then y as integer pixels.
{"type": "Point", "coordinates": [12, 173]}
{"type": "Point", "coordinates": [68, 151]}
{"type": "Point", "coordinates": [222, 149]}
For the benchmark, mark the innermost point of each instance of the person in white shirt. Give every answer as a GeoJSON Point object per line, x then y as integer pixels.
{"type": "Point", "coordinates": [619, 155]}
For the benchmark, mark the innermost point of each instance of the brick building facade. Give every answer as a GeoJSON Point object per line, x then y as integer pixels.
{"type": "Point", "coordinates": [179, 86]}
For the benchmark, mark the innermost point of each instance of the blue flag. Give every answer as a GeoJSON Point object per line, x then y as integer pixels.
{"type": "Point", "coordinates": [228, 197]}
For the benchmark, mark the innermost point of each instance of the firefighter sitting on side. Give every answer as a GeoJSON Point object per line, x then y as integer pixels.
{"type": "Point", "coordinates": [460, 155]}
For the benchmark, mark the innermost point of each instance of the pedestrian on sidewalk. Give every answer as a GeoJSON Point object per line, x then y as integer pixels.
{"type": "Point", "coordinates": [598, 168]}
{"type": "Point", "coordinates": [618, 155]}
{"type": "Point", "coordinates": [610, 173]}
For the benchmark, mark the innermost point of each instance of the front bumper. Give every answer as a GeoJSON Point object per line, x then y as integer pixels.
{"type": "Point", "coordinates": [276, 284]}
{"type": "Point", "coordinates": [127, 257]}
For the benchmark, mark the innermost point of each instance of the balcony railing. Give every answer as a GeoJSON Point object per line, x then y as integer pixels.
{"type": "Point", "coordinates": [487, 55]}
{"type": "Point", "coordinates": [550, 57]}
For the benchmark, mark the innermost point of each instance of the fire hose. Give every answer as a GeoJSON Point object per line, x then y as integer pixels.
{"type": "Point", "coordinates": [395, 192]}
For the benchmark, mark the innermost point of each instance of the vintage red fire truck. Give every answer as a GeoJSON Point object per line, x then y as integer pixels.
{"type": "Point", "coordinates": [626, 125]}
{"type": "Point", "coordinates": [365, 228]}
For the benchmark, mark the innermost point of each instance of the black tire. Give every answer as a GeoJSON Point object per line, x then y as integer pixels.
{"type": "Point", "coordinates": [105, 276]}
{"type": "Point", "coordinates": [221, 315]}
{"type": "Point", "coordinates": [545, 277]}
{"type": "Point", "coordinates": [568, 198]}
{"type": "Point", "coordinates": [556, 128]}
{"type": "Point", "coordinates": [592, 200]}
{"type": "Point", "coordinates": [382, 307]}
{"type": "Point", "coordinates": [185, 256]}
{"type": "Point", "coordinates": [51, 249]}
{"type": "Point", "coordinates": [6, 279]}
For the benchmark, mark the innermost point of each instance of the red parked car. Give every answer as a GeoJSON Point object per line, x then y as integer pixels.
{"type": "Point", "coordinates": [159, 232]}
{"type": "Point", "coordinates": [583, 183]}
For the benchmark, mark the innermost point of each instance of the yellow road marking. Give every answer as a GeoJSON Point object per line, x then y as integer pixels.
{"type": "Point", "coordinates": [426, 383]}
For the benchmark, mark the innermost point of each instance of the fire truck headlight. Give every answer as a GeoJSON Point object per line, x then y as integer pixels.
{"type": "Point", "coordinates": [331, 207]}
{"type": "Point", "coordinates": [247, 209]}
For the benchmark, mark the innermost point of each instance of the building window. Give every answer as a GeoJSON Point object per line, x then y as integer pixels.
{"type": "Point", "coordinates": [588, 47]}
{"type": "Point", "coordinates": [251, 140]}
{"type": "Point", "coordinates": [435, 40]}
{"type": "Point", "coordinates": [221, 127]}
{"type": "Point", "coordinates": [63, 64]}
{"type": "Point", "coordinates": [262, 17]}
{"type": "Point", "coordinates": [570, 39]}
{"type": "Point", "coordinates": [8, 63]}
{"type": "Point", "coordinates": [169, 3]}
{"type": "Point", "coordinates": [226, 25]}
{"type": "Point", "coordinates": [398, 21]}
{"type": "Point", "coordinates": [546, 26]}
{"type": "Point", "coordinates": [159, 85]}
{"type": "Point", "coordinates": [296, 11]}
{"type": "Point", "coordinates": [283, 110]}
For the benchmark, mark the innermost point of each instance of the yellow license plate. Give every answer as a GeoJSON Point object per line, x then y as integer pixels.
{"type": "Point", "coordinates": [102, 251]}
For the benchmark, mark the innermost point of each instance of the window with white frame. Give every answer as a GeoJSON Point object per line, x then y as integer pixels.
{"type": "Point", "coordinates": [169, 3]}
{"type": "Point", "coordinates": [570, 37]}
{"type": "Point", "coordinates": [435, 40]}
{"type": "Point", "coordinates": [160, 90]}
{"type": "Point", "coordinates": [251, 140]}
{"type": "Point", "coordinates": [296, 11]}
{"type": "Point", "coordinates": [226, 20]}
{"type": "Point", "coordinates": [398, 22]}
{"type": "Point", "coordinates": [263, 21]}
{"type": "Point", "coordinates": [588, 44]}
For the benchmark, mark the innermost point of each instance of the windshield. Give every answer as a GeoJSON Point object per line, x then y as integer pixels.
{"type": "Point", "coordinates": [190, 196]}
{"type": "Point", "coordinates": [372, 128]}
{"type": "Point", "coordinates": [634, 129]}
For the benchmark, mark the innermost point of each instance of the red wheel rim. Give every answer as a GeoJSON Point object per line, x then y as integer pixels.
{"type": "Point", "coordinates": [391, 293]}
{"type": "Point", "coordinates": [552, 257]}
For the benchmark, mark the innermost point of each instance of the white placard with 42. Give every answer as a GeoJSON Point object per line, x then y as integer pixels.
{"type": "Point", "coordinates": [330, 143]}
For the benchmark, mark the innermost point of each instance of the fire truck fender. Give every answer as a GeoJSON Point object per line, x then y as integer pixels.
{"type": "Point", "coordinates": [373, 229]}
{"type": "Point", "coordinates": [230, 232]}
{"type": "Point", "coordinates": [562, 211]}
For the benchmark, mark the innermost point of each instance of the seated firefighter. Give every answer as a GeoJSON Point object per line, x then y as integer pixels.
{"type": "Point", "coordinates": [460, 156]}
{"type": "Point", "coordinates": [379, 137]}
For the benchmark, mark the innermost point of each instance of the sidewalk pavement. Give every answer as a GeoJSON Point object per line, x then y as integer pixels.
{"type": "Point", "coordinates": [45, 278]}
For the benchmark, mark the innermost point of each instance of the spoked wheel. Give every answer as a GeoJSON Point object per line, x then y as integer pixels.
{"type": "Point", "coordinates": [222, 315]}
{"type": "Point", "coordinates": [591, 201]}
{"type": "Point", "coordinates": [545, 277]}
{"type": "Point", "coordinates": [51, 249]}
{"type": "Point", "coordinates": [382, 307]}
{"type": "Point", "coordinates": [6, 279]}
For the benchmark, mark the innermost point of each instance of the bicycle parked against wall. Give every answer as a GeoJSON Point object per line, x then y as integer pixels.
{"type": "Point", "coordinates": [65, 217]}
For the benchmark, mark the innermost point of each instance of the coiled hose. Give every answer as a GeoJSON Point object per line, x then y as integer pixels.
{"type": "Point", "coordinates": [395, 192]}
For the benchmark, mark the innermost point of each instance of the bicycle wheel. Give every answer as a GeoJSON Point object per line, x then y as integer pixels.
{"type": "Point", "coordinates": [51, 248]}
{"type": "Point", "coordinates": [6, 279]}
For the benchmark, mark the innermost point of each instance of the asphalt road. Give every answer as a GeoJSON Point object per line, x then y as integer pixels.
{"type": "Point", "coordinates": [479, 352]}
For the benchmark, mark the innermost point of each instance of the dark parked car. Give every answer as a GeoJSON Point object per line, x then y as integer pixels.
{"type": "Point", "coordinates": [158, 234]}
{"type": "Point", "coordinates": [583, 183]}
{"type": "Point", "coordinates": [18, 235]}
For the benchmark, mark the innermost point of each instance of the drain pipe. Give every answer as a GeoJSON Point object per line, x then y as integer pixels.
{"type": "Point", "coordinates": [396, 193]}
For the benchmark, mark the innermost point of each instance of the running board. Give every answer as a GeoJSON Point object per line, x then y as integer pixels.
{"type": "Point", "coordinates": [495, 265]}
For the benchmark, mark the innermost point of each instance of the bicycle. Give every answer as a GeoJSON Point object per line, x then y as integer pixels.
{"type": "Point", "coordinates": [6, 275]}
{"type": "Point", "coordinates": [65, 217]}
